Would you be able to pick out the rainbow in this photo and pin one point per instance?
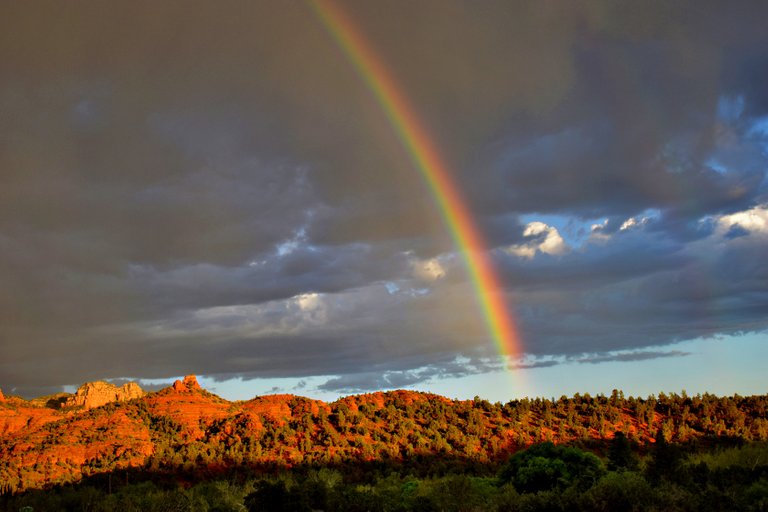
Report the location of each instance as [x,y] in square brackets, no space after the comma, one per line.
[426,158]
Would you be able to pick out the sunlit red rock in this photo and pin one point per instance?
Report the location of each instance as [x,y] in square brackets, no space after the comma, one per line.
[188,384]
[189,405]
[96,394]
[17,415]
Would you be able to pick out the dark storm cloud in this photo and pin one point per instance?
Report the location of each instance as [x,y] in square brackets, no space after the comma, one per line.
[178,181]
[146,386]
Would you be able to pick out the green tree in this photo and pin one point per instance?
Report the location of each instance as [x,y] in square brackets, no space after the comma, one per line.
[619,492]
[620,454]
[547,466]
[665,461]
[277,497]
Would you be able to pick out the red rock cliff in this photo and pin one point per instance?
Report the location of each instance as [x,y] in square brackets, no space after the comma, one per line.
[96,394]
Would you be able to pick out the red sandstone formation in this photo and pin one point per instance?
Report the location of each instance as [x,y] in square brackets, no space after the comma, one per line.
[190,405]
[96,394]
[188,384]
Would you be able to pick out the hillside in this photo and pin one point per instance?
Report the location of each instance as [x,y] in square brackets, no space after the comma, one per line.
[186,430]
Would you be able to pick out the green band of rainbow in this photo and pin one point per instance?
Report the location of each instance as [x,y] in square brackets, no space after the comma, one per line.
[428,161]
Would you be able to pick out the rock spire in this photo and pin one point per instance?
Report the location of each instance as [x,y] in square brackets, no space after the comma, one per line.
[188,384]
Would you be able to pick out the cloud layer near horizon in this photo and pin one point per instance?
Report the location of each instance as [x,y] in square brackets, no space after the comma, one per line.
[191,188]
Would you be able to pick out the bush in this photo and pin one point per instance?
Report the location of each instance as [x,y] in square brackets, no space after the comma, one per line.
[545,467]
[619,492]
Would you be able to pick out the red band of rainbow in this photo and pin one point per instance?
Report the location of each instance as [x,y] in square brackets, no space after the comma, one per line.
[428,161]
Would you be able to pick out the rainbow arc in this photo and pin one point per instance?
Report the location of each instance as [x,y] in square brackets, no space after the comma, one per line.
[427,159]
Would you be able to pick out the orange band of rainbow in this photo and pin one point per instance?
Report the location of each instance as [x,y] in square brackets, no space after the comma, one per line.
[427,160]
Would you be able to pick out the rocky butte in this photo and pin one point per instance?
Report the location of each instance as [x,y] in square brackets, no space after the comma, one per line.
[95,394]
[188,384]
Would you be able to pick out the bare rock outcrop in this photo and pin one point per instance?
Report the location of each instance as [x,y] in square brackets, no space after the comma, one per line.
[96,394]
[188,384]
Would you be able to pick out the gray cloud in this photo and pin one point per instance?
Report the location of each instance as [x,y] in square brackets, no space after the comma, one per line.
[604,357]
[356,383]
[536,364]
[632,356]
[174,183]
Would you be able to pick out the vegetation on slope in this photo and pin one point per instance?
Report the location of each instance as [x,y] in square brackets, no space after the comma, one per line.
[543,477]
[194,435]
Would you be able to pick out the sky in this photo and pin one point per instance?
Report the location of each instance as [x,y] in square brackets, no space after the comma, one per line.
[188,187]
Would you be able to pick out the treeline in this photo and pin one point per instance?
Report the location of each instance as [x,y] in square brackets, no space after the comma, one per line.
[412,430]
[543,477]
[408,426]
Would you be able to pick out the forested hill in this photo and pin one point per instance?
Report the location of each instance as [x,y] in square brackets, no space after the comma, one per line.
[185,430]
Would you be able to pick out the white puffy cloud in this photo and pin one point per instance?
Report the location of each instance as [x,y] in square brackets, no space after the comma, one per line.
[598,232]
[428,270]
[641,220]
[314,310]
[630,223]
[541,238]
[634,223]
[308,301]
[754,220]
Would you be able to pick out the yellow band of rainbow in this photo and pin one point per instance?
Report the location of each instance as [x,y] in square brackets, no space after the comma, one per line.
[428,161]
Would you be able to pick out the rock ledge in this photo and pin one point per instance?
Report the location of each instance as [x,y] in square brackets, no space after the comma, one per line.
[96,394]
